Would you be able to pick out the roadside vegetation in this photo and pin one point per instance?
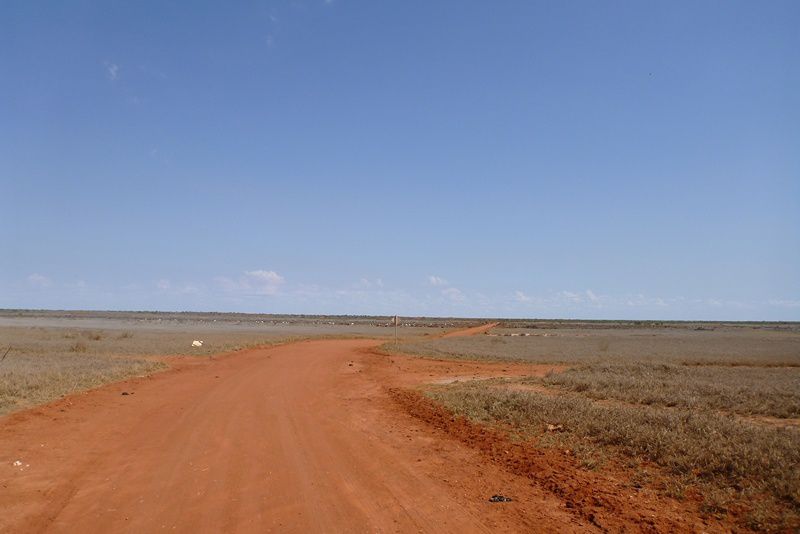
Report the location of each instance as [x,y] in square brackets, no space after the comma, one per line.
[755,346]
[29,379]
[768,391]
[55,353]
[740,467]
[44,364]
[713,408]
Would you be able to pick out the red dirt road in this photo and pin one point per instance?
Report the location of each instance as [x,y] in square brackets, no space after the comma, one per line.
[306,437]
[299,438]
[471,331]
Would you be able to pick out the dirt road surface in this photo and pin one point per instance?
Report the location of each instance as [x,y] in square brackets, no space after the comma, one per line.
[304,437]
[480,329]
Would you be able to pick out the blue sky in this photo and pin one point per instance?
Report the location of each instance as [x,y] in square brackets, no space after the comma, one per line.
[517,159]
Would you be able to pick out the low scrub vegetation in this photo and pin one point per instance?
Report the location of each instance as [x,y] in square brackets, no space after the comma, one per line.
[690,401]
[744,390]
[736,465]
[46,363]
[28,379]
[722,346]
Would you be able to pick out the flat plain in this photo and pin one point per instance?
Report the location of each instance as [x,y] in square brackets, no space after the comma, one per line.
[698,411]
[115,422]
[50,354]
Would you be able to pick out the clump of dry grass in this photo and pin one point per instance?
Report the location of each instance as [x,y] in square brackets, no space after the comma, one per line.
[94,336]
[717,453]
[79,346]
[744,390]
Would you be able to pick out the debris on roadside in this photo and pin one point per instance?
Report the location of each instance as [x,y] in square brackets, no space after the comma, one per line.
[555,428]
[22,467]
[500,498]
[197,343]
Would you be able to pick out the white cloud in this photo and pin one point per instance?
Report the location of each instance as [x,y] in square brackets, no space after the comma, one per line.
[519,296]
[785,303]
[367,283]
[453,294]
[257,282]
[39,280]
[265,277]
[112,71]
[591,296]
[437,281]
[163,284]
[569,296]
[190,289]
[263,282]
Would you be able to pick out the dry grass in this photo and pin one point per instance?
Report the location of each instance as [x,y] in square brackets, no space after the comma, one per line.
[48,363]
[734,464]
[58,352]
[650,393]
[744,390]
[721,346]
[27,379]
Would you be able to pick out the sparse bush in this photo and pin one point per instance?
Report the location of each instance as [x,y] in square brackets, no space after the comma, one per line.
[79,346]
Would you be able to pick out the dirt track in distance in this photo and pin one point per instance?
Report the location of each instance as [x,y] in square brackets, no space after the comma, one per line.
[475,330]
[303,437]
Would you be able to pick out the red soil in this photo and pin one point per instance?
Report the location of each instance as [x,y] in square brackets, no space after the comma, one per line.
[319,436]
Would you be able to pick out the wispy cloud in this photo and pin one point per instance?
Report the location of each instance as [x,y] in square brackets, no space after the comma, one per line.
[367,283]
[589,298]
[267,289]
[785,303]
[570,296]
[258,282]
[519,296]
[190,289]
[454,294]
[39,280]
[112,70]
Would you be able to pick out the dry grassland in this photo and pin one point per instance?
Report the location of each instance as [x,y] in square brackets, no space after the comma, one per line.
[668,402]
[55,353]
[47,363]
